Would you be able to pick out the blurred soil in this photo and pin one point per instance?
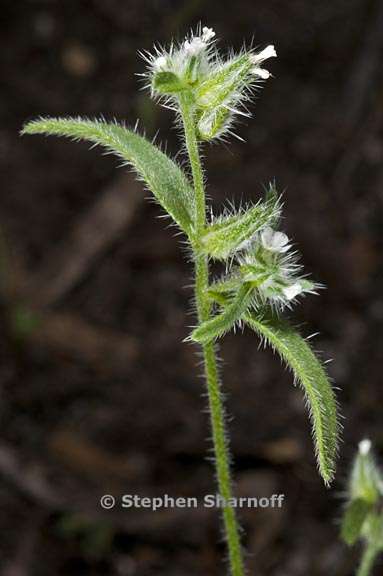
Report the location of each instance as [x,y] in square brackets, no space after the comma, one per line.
[98,393]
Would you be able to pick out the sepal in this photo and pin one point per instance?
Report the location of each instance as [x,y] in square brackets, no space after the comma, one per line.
[212,123]
[167,83]
[231,233]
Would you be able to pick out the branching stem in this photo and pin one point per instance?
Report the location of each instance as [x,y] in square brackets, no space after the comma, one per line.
[221,449]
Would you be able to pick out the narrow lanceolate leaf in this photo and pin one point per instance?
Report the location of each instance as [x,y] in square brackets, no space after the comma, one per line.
[217,326]
[310,374]
[353,520]
[161,175]
[232,233]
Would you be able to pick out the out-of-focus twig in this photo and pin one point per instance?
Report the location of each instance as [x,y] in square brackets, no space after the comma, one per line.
[28,480]
[92,235]
[91,460]
[69,334]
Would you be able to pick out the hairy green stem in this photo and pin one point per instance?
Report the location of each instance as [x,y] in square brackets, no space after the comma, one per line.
[221,450]
[369,555]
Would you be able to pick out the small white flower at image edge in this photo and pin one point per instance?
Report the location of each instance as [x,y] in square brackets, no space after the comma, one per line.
[290,292]
[207,34]
[268,52]
[274,241]
[194,46]
[257,59]
[365,446]
[160,64]
[197,44]
[261,72]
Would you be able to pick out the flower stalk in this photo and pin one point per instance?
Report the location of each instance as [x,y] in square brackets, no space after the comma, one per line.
[216,408]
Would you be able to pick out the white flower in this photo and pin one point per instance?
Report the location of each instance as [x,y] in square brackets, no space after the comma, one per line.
[160,63]
[198,44]
[290,292]
[268,52]
[274,241]
[207,34]
[261,72]
[194,46]
[257,59]
[364,447]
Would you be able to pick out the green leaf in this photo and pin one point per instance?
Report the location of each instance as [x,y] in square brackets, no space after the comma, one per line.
[353,520]
[162,176]
[229,234]
[309,372]
[217,326]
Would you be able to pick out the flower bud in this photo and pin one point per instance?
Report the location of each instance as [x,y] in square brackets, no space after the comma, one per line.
[224,84]
[211,124]
[292,291]
[366,481]
[218,88]
[274,241]
[273,270]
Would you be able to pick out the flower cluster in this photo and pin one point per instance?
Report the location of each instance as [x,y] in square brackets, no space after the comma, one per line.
[258,256]
[218,88]
[270,269]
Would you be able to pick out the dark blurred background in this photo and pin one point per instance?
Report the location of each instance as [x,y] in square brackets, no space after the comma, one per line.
[98,392]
